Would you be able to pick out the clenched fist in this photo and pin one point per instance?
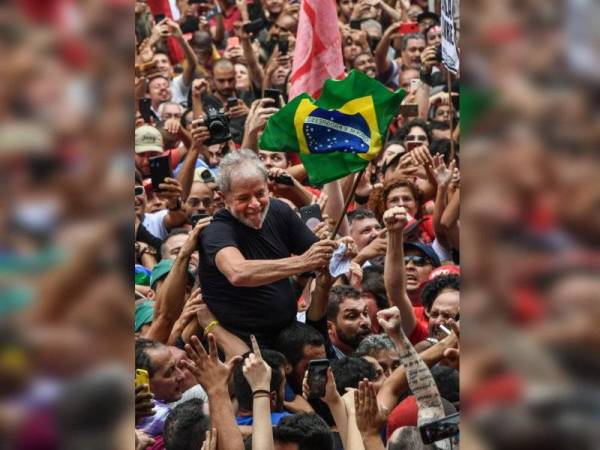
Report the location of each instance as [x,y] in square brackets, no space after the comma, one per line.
[395,219]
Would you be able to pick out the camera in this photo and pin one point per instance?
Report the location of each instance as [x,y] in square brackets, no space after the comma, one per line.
[218,127]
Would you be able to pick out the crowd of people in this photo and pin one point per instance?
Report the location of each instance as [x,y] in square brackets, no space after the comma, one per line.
[239,300]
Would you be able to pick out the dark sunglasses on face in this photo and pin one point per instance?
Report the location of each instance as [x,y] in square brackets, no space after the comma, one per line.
[412,137]
[417,260]
[139,190]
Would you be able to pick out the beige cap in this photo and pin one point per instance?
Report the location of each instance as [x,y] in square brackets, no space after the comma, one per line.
[148,139]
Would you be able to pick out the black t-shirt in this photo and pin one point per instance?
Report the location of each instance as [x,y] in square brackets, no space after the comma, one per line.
[262,310]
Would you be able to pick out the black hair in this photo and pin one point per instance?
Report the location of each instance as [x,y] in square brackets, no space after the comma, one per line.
[360,214]
[186,426]
[243,391]
[309,431]
[373,283]
[443,147]
[434,287]
[142,359]
[336,295]
[349,371]
[403,132]
[292,340]
[447,382]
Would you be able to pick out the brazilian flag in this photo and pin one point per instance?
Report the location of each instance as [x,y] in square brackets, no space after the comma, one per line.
[338,134]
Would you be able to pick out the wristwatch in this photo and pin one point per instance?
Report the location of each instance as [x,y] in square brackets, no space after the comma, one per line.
[177,206]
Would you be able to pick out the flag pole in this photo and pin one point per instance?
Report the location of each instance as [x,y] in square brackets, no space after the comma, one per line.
[450,113]
[347,203]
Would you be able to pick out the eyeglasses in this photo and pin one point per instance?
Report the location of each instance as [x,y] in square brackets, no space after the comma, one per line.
[206,202]
[139,190]
[417,260]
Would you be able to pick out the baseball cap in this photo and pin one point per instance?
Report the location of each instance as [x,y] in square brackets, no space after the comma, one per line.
[148,139]
[162,269]
[446,269]
[144,312]
[426,249]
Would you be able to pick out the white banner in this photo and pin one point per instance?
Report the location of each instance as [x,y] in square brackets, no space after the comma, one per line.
[449,44]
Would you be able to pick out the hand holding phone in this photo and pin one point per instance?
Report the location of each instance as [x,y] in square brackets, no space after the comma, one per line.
[160,168]
[311,215]
[317,378]
[142,378]
[275,95]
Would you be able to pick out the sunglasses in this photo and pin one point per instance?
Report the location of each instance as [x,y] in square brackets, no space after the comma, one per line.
[417,260]
[206,202]
[139,190]
[412,137]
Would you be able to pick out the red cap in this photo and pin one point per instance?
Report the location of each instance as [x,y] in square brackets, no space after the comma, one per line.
[448,269]
[403,415]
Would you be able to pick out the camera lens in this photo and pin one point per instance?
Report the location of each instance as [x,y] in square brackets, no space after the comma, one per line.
[217,127]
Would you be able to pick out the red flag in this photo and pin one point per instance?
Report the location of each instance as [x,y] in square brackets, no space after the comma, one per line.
[318,54]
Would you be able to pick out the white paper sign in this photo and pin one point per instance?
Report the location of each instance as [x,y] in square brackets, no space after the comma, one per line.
[449,45]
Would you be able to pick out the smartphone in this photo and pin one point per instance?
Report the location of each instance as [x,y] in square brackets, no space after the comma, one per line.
[274,94]
[440,429]
[355,24]
[317,378]
[408,28]
[438,53]
[283,179]
[160,168]
[233,41]
[253,27]
[145,107]
[232,102]
[141,378]
[158,18]
[311,215]
[409,110]
[196,217]
[414,84]
[283,45]
[190,25]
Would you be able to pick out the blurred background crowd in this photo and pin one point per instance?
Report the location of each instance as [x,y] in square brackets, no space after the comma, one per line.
[529,210]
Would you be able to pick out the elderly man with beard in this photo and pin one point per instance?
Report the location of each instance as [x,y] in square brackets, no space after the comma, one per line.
[251,249]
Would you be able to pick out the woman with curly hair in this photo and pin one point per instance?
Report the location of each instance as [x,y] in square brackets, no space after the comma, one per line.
[403,192]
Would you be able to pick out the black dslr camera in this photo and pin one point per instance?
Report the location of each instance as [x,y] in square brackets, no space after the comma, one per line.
[218,127]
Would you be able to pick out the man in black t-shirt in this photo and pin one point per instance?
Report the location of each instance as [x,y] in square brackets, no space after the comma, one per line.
[250,250]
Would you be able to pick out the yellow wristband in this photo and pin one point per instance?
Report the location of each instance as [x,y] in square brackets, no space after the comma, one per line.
[210,326]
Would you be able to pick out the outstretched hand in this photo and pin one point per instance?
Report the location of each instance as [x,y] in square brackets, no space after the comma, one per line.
[209,371]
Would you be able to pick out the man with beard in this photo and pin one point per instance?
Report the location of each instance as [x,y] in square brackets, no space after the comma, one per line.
[348,320]
[223,78]
[251,249]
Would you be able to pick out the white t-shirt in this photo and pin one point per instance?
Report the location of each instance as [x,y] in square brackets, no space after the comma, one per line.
[179,91]
[155,223]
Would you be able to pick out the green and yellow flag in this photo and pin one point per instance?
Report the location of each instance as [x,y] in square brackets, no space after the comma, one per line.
[338,134]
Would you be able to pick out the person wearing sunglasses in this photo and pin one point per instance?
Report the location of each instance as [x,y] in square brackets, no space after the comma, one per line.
[419,260]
